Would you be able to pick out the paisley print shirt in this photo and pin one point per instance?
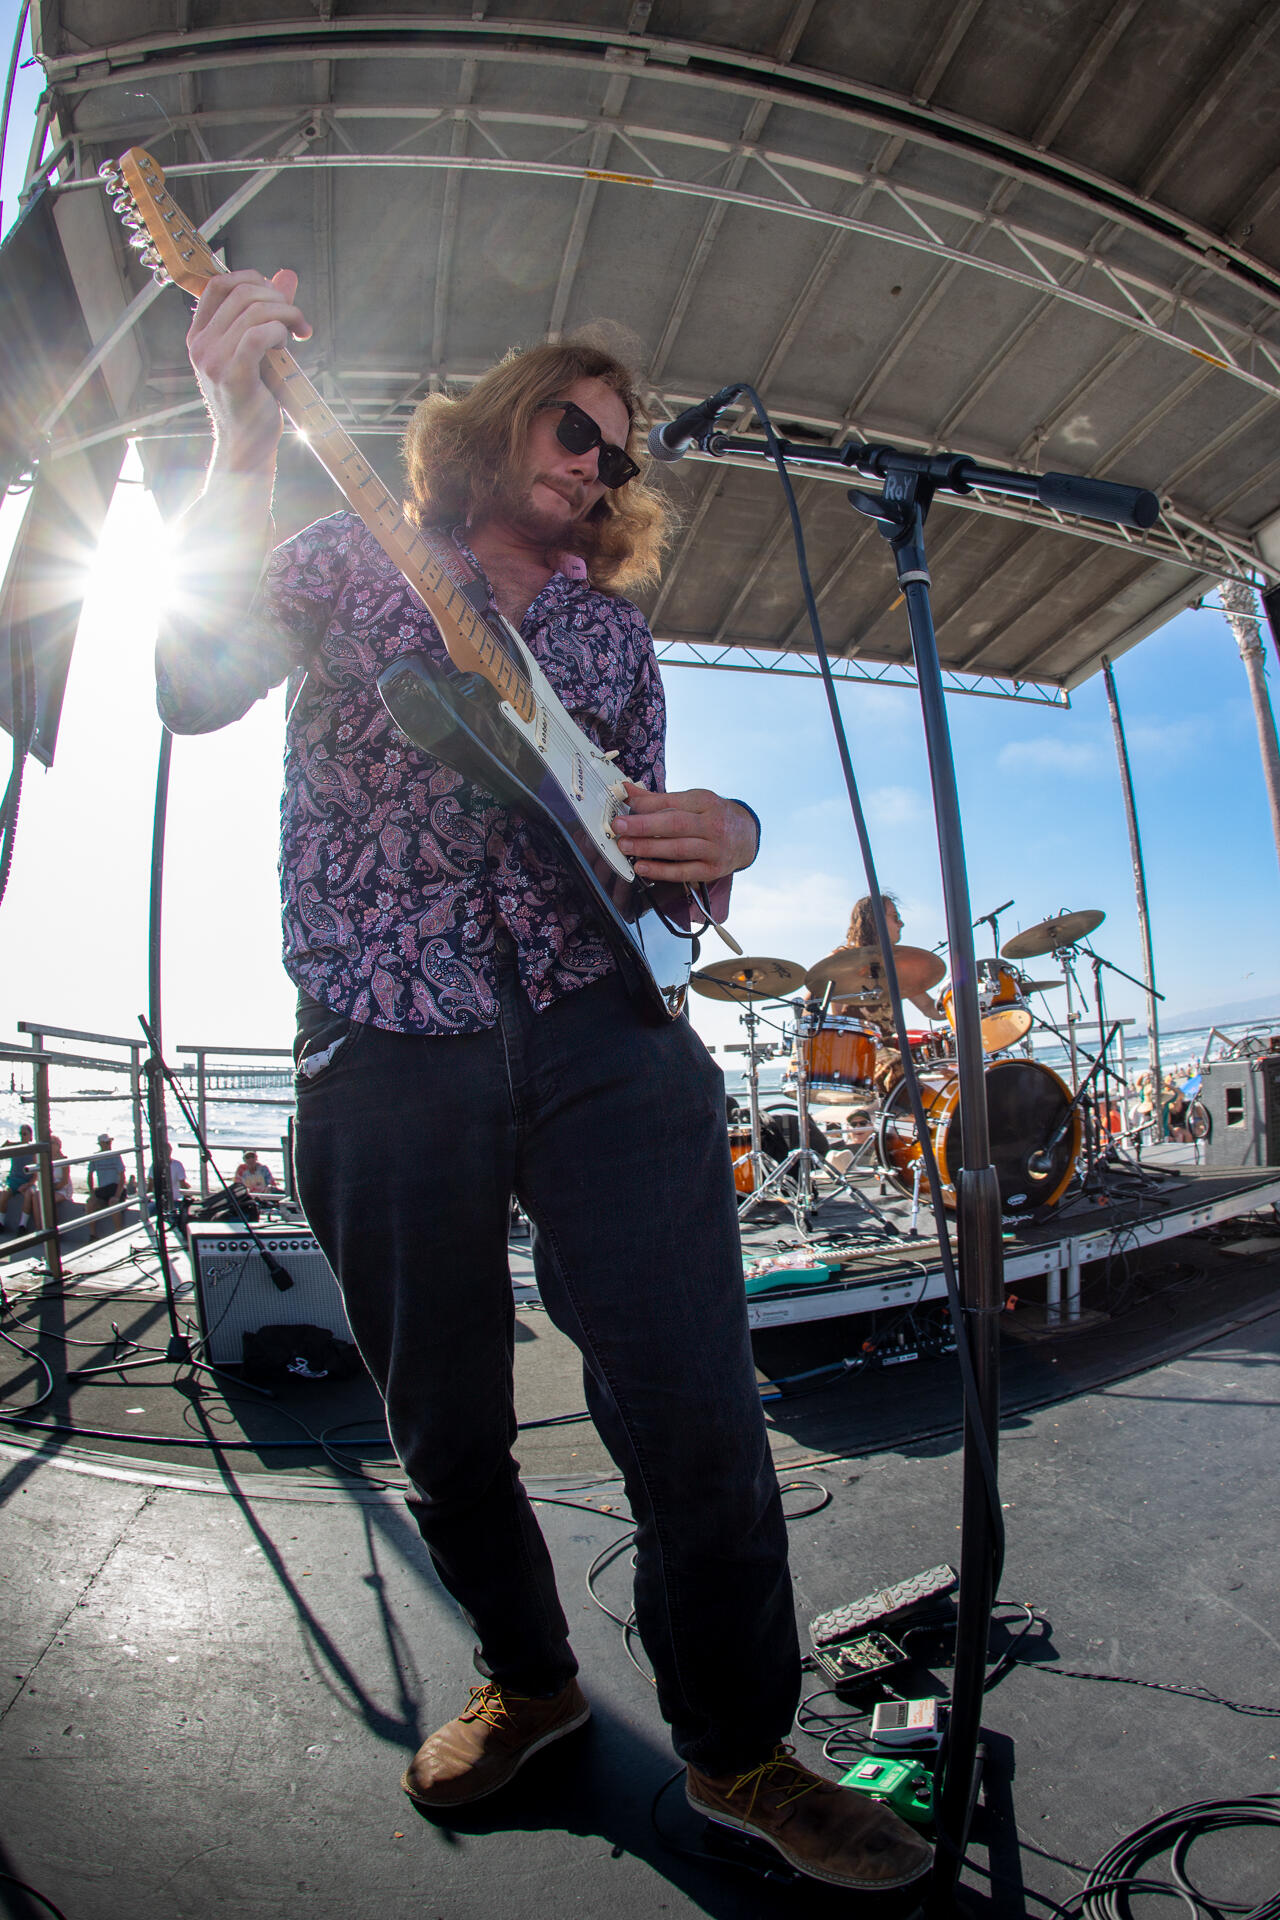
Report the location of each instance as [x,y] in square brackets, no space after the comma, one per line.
[397,875]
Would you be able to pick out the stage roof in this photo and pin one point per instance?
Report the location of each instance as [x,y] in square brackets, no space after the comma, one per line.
[1047,236]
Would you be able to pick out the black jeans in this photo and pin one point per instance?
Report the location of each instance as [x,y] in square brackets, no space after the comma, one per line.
[611,1132]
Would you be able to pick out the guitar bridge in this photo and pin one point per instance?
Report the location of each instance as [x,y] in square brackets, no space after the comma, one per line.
[578,777]
[542,730]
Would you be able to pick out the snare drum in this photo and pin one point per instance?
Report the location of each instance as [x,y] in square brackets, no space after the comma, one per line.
[1026,1104]
[927,1047]
[839,1058]
[1005,1015]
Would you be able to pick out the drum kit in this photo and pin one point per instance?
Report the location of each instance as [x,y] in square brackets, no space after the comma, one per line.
[838,1034]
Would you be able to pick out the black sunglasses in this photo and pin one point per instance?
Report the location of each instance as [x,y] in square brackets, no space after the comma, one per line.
[578,433]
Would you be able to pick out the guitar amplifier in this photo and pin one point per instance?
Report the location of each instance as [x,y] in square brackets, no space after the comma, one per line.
[235,1293]
[1242,1098]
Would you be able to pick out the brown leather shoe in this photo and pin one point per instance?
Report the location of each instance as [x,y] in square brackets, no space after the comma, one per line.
[826,1831]
[490,1740]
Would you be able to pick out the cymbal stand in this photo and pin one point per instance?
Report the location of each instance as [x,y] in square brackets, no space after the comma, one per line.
[1063,955]
[761,1164]
[792,1181]
[1097,962]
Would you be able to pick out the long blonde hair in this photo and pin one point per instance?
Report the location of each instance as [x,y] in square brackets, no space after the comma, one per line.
[459,455]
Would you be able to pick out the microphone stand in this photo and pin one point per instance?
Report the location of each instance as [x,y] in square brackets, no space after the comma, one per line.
[910,481]
[992,920]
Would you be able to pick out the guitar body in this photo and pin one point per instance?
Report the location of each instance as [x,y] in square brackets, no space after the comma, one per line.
[463,723]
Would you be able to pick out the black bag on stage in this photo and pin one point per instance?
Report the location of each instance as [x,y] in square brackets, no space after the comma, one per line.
[299,1353]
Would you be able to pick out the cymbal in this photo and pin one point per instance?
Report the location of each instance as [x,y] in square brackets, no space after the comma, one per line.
[1063,930]
[1040,986]
[861,969]
[748,979]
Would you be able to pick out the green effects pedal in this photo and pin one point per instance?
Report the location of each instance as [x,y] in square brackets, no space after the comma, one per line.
[903,1785]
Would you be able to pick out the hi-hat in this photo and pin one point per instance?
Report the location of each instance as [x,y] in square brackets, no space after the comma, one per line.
[1061,931]
[748,979]
[853,970]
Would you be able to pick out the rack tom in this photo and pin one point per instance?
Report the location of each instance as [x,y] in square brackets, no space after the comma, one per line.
[840,1058]
[1004,1014]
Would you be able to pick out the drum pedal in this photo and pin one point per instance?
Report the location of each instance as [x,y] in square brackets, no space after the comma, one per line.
[886,1607]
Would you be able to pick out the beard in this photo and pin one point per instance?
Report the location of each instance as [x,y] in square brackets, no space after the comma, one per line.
[556,528]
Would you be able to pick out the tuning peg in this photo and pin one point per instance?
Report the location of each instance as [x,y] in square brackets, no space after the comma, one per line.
[111,173]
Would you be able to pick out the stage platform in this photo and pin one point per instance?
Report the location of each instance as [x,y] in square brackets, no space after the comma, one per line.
[872,1270]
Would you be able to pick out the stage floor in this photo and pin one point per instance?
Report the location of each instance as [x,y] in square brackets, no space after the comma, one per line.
[222,1653]
[214,1678]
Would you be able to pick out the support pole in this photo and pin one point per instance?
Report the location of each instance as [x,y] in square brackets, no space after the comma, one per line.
[1140,890]
[1240,605]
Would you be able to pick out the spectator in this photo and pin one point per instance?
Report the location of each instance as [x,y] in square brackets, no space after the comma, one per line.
[21,1167]
[1176,1117]
[106,1180]
[63,1192]
[253,1175]
[176,1182]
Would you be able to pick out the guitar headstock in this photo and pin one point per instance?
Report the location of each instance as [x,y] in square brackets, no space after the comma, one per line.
[160,232]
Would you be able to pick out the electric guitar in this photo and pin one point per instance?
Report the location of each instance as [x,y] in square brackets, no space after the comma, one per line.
[498,722]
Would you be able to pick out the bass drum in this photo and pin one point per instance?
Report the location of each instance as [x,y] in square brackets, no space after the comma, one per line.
[1026,1104]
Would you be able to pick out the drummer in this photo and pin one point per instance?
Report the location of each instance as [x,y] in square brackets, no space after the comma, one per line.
[877,1011]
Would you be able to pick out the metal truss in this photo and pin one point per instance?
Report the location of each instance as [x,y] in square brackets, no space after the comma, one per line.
[967,230]
[964,233]
[741,658]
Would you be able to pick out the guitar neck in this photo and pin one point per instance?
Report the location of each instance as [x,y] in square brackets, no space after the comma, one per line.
[470,644]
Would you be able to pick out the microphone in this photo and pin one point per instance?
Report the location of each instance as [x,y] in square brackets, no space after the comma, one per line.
[1041,1162]
[673,439]
[983,918]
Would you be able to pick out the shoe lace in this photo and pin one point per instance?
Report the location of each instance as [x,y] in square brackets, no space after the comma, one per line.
[486,1703]
[771,1776]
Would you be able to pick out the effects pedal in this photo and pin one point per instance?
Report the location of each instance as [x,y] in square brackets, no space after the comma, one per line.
[860,1662]
[903,1785]
[885,1608]
[909,1726]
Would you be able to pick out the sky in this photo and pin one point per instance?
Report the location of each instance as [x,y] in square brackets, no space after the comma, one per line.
[1039,789]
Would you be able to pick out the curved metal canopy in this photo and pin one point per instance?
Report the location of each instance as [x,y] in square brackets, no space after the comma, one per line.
[1048,237]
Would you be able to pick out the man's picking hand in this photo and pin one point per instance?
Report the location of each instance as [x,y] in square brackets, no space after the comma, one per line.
[684,836]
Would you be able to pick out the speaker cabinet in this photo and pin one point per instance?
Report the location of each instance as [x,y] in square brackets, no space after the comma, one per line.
[235,1293]
[1242,1098]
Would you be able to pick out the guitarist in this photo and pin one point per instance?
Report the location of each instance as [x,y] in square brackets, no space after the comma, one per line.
[463,1034]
